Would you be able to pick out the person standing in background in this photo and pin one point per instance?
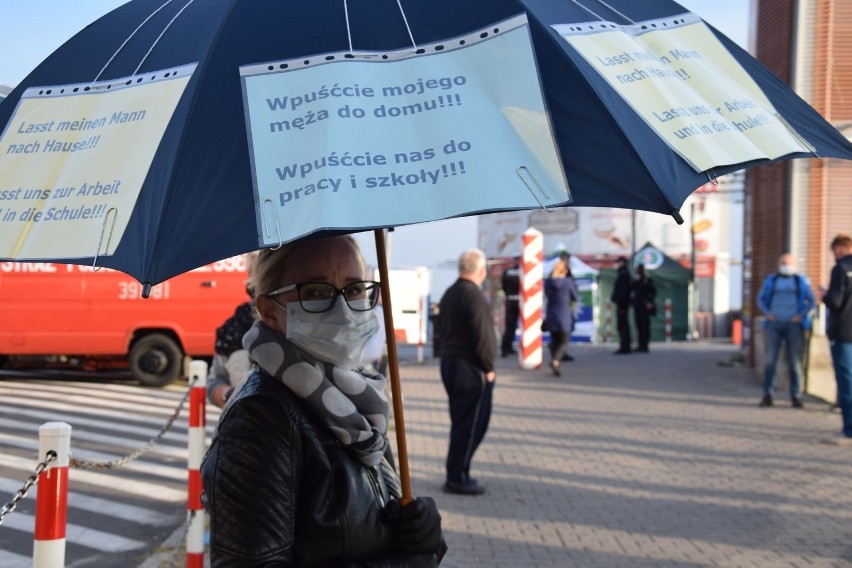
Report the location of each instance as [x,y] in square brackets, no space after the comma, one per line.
[566,256]
[838,300]
[561,292]
[468,350]
[511,283]
[644,308]
[621,298]
[231,363]
[786,299]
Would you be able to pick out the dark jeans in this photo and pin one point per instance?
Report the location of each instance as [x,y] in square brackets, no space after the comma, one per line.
[511,325]
[643,326]
[621,313]
[791,334]
[470,409]
[558,344]
[841,356]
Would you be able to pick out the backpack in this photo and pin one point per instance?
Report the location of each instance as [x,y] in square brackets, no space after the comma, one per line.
[807,320]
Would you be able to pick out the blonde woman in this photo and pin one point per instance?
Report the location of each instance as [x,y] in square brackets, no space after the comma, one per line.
[561,292]
[300,472]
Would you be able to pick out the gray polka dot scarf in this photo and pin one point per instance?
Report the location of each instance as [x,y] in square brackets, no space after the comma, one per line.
[351,404]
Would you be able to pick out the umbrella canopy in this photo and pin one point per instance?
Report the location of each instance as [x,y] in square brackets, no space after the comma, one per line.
[198,199]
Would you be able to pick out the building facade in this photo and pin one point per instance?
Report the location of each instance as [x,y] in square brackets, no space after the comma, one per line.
[798,206]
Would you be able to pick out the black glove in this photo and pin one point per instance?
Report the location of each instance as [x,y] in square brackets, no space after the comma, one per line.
[416,527]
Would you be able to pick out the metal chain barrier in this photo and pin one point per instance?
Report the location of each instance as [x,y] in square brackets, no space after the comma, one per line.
[121,462]
[180,549]
[22,492]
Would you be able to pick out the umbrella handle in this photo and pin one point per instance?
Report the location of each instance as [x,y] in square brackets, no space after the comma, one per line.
[393,368]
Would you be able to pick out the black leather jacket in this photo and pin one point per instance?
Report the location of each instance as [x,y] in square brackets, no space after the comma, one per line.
[281,490]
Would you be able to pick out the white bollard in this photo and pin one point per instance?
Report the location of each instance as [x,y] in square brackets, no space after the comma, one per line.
[52,500]
[197,436]
[608,323]
[532,299]
[668,320]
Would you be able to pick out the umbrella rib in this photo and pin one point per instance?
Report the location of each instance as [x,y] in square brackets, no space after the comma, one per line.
[598,16]
[348,30]
[616,11]
[139,27]
[589,10]
[407,27]
[162,33]
[401,11]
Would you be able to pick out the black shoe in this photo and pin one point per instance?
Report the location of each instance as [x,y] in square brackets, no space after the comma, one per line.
[507,353]
[567,357]
[642,350]
[469,488]
[765,401]
[622,352]
[797,403]
[554,366]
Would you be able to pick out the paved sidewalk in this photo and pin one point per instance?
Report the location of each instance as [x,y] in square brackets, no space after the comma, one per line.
[659,459]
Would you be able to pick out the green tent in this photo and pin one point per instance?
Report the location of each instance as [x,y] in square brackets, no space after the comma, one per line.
[671,280]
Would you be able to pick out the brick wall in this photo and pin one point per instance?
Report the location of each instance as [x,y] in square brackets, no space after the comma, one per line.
[825,191]
[768,186]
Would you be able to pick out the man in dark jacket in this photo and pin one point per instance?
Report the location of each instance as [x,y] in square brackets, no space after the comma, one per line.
[468,349]
[838,300]
[511,282]
[644,307]
[621,298]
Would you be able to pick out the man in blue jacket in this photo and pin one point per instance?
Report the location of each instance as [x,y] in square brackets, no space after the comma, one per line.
[786,299]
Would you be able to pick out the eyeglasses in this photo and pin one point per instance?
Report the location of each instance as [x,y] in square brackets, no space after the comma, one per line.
[317,297]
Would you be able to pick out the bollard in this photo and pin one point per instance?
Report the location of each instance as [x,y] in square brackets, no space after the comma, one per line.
[52,498]
[197,435]
[608,323]
[668,320]
[737,332]
[532,274]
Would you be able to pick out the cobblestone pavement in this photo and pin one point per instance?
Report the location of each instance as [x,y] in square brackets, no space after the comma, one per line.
[659,459]
[643,460]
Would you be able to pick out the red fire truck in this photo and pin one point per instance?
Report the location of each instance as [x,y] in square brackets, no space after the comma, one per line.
[77,317]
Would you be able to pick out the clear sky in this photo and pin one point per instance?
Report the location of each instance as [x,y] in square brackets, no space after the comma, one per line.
[31,29]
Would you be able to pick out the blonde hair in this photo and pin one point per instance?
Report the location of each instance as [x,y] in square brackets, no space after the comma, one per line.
[250,259]
[271,264]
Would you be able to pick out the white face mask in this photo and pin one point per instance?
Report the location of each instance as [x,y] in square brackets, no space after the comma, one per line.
[337,336]
[785,270]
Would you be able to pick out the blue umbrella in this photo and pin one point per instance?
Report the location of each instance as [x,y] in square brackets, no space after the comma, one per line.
[197,203]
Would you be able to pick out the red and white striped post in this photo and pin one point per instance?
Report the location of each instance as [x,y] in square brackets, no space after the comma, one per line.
[608,323]
[52,500]
[668,320]
[197,437]
[532,274]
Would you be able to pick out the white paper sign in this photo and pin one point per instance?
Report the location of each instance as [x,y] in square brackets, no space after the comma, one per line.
[688,88]
[73,159]
[401,137]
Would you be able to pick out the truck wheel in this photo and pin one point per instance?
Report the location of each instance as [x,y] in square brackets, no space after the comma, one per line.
[156,360]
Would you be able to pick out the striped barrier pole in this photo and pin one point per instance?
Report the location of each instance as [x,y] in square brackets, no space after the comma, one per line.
[668,320]
[532,274]
[52,499]
[608,324]
[197,436]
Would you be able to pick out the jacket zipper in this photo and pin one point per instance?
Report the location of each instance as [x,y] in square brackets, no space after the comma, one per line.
[374,482]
